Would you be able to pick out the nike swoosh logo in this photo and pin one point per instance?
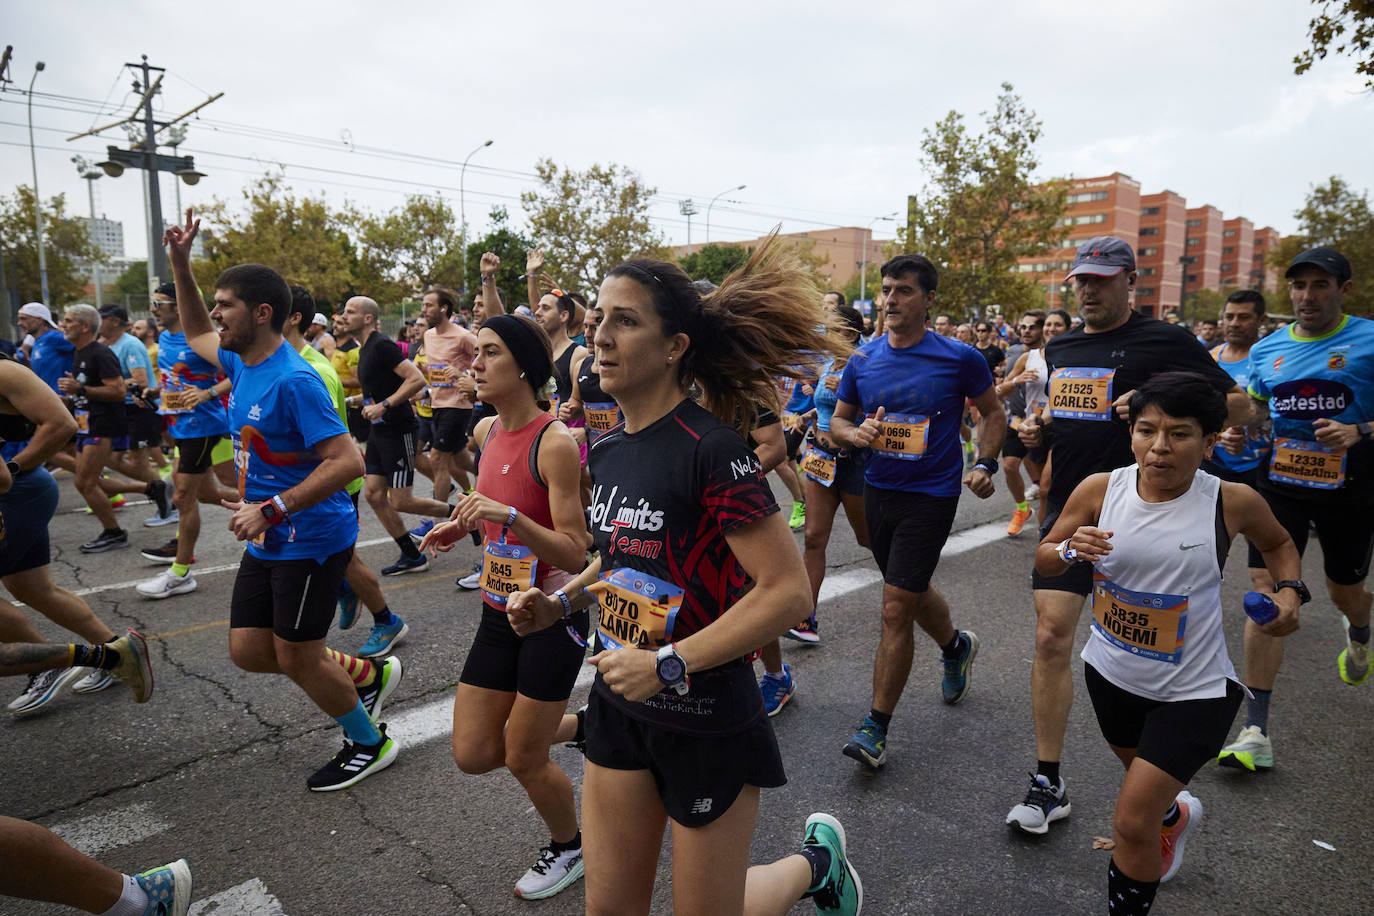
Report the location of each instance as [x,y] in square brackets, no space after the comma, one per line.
[1190,546]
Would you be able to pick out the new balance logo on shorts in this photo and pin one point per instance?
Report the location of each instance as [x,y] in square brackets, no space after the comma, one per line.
[701,806]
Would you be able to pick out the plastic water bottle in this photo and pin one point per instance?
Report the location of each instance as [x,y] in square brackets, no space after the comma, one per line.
[1260,607]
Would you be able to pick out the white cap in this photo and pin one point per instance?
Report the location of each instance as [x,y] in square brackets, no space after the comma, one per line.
[320,320]
[37,310]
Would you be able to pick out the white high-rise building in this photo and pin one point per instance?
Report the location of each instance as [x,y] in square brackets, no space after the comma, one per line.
[107,235]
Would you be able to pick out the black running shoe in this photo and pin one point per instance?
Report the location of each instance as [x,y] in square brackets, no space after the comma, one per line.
[353,764]
[108,540]
[161,495]
[167,553]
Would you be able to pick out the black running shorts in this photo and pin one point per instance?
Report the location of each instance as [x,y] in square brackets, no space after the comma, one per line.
[391,455]
[145,426]
[296,598]
[451,428]
[542,666]
[698,778]
[907,531]
[196,454]
[1177,737]
[1344,529]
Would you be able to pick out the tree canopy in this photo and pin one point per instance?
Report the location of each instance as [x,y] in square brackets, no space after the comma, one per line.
[65,242]
[1343,26]
[1334,214]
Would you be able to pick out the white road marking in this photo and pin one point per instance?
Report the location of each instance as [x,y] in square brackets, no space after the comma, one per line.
[119,827]
[251,898]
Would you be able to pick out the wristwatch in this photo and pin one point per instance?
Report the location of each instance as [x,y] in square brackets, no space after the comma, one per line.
[1364,429]
[987,464]
[273,515]
[14,468]
[1296,585]
[672,670]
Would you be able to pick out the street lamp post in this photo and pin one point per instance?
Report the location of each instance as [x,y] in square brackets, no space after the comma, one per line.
[37,201]
[712,204]
[1183,263]
[462,206]
[863,269]
[88,171]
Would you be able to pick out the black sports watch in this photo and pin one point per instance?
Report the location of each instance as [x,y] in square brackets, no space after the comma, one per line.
[1296,585]
[14,468]
[672,670]
[987,464]
[1364,429]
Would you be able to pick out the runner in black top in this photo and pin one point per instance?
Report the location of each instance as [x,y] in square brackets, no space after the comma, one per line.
[598,409]
[681,515]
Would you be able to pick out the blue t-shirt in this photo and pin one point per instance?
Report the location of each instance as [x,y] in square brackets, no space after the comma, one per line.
[800,402]
[1306,379]
[278,410]
[180,367]
[50,357]
[923,387]
[824,398]
[1249,457]
[131,353]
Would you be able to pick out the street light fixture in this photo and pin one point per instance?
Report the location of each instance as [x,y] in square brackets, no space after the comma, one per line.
[863,270]
[86,170]
[462,206]
[37,201]
[1183,264]
[712,204]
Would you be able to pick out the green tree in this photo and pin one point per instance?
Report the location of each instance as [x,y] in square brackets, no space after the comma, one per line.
[132,285]
[712,262]
[1348,25]
[981,211]
[411,248]
[301,238]
[65,242]
[508,245]
[1335,215]
[590,222]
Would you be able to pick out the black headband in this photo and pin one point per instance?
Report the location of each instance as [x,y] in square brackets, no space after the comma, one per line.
[522,340]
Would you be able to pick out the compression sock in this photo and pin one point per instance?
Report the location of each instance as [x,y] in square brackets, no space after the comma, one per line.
[951,649]
[1257,709]
[102,657]
[1172,815]
[574,843]
[358,728]
[1358,634]
[181,569]
[882,718]
[359,670]
[1126,896]
[133,900]
[1023,506]
[818,857]
[1048,769]
[408,547]
[384,617]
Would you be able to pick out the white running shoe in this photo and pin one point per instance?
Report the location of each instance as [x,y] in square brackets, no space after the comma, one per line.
[157,521]
[1251,751]
[166,584]
[1044,805]
[552,873]
[43,688]
[95,681]
[471,581]
[1033,491]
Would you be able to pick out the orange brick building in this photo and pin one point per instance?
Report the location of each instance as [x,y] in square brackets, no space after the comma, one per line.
[844,250]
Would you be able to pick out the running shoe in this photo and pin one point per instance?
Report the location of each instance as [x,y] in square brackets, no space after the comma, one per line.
[42,689]
[160,492]
[1173,839]
[348,608]
[96,680]
[167,553]
[383,638]
[389,674]
[777,690]
[841,892]
[405,564]
[168,889]
[798,519]
[1354,663]
[1251,751]
[107,540]
[1033,491]
[1044,805]
[553,872]
[472,580]
[166,584]
[807,632]
[955,685]
[1018,521]
[869,744]
[353,764]
[118,500]
[158,521]
[417,534]
[135,666]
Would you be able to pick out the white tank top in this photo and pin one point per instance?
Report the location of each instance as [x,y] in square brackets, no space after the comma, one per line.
[1156,599]
[1035,391]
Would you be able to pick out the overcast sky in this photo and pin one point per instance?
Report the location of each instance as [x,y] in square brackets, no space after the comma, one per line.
[817,108]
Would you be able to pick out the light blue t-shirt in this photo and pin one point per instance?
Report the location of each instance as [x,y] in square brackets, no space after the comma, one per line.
[824,398]
[926,383]
[131,353]
[278,410]
[180,367]
[1250,455]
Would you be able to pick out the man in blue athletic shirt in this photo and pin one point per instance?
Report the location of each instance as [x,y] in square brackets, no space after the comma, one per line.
[294,459]
[902,396]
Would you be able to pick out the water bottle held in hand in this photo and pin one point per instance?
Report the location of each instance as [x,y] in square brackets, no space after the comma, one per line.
[1260,607]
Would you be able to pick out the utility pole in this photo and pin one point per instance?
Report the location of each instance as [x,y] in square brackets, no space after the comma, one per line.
[688,208]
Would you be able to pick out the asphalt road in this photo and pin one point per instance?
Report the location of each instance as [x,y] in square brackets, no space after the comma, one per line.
[214,767]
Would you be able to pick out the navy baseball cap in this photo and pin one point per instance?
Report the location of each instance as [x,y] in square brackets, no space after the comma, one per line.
[1103,256]
[1328,259]
[115,311]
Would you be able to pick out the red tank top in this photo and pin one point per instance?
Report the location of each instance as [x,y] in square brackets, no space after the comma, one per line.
[506,474]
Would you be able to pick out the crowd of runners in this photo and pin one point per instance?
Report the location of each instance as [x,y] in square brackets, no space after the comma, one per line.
[607,456]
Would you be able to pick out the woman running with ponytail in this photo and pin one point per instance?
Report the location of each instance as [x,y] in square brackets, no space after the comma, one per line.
[675,728]
[514,689]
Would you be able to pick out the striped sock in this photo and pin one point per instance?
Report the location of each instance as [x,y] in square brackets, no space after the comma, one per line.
[361,671]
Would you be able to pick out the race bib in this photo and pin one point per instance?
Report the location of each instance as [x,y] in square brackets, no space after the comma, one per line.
[1081,394]
[440,375]
[175,397]
[819,466]
[83,422]
[1307,464]
[601,417]
[635,609]
[902,436]
[506,569]
[1140,623]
